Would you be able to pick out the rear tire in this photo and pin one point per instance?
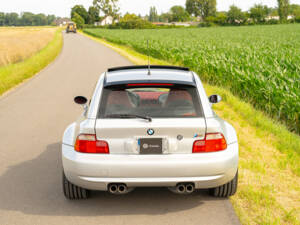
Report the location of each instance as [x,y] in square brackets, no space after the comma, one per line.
[226,190]
[72,191]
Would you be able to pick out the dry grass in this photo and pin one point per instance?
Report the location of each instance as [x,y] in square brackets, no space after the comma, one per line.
[19,43]
[13,74]
[269,190]
[269,168]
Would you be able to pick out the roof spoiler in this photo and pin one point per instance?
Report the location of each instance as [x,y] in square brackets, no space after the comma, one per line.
[146,67]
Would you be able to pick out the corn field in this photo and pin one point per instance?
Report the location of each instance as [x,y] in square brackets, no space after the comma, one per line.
[260,64]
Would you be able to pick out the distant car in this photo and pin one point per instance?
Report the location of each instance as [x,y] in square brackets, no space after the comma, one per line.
[149,128]
[71,27]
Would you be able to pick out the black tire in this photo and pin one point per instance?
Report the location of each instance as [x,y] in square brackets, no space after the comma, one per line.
[72,191]
[226,190]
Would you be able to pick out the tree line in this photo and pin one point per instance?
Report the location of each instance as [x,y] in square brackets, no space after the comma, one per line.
[26,19]
[203,11]
[206,12]
[194,10]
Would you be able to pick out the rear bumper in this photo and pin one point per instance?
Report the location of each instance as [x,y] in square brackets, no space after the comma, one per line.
[95,172]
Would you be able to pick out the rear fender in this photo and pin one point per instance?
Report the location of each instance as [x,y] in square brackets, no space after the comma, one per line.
[216,124]
[69,134]
[81,126]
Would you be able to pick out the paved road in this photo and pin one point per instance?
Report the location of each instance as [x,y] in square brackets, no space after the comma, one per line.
[33,118]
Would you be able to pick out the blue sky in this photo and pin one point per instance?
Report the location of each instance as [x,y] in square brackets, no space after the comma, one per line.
[62,7]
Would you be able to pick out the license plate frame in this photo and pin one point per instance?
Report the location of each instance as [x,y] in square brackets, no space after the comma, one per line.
[150,146]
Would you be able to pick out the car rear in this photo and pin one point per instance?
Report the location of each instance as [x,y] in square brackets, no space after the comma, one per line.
[151,132]
[71,27]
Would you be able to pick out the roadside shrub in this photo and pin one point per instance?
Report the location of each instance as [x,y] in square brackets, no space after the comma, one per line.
[272,21]
[206,24]
[250,23]
[91,26]
[131,21]
[133,24]
[211,19]
[221,19]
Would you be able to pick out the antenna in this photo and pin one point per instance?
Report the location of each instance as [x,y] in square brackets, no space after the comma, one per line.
[149,71]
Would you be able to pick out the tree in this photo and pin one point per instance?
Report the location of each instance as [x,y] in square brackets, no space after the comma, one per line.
[153,16]
[294,10]
[50,19]
[2,19]
[273,11]
[165,17]
[40,20]
[179,14]
[27,19]
[283,9]
[132,21]
[108,7]
[202,8]
[128,17]
[81,11]
[78,20]
[93,14]
[235,15]
[259,13]
[11,19]
[221,18]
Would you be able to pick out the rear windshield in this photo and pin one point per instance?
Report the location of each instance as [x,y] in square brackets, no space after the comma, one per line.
[156,102]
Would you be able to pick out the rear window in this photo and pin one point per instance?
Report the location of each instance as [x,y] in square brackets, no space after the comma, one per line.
[171,101]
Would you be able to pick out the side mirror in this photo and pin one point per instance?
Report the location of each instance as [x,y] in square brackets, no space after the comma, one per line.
[214,99]
[80,100]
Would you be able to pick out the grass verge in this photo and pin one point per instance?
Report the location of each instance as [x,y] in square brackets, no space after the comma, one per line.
[269,168]
[13,74]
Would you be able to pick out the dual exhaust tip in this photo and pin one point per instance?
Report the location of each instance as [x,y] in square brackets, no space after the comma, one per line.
[183,188]
[117,188]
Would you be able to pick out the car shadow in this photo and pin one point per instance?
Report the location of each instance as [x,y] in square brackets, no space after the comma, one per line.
[34,187]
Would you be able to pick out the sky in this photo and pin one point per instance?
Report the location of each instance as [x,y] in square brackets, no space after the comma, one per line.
[62,7]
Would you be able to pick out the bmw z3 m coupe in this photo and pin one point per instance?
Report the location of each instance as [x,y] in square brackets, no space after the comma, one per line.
[149,127]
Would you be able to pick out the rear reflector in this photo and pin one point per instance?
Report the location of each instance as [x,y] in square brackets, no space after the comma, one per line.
[212,143]
[88,143]
[149,84]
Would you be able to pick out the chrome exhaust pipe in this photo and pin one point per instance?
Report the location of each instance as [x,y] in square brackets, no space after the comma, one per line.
[190,188]
[113,188]
[122,189]
[180,188]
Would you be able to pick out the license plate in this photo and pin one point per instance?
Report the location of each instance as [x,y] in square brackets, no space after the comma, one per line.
[150,146]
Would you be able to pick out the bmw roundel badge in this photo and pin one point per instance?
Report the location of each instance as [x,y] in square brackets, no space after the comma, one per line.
[150,131]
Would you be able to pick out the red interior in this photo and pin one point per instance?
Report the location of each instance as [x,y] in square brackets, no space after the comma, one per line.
[119,98]
[148,98]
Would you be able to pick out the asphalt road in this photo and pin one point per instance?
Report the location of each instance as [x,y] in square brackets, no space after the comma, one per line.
[32,120]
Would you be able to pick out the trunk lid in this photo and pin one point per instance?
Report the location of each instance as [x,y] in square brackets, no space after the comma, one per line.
[124,135]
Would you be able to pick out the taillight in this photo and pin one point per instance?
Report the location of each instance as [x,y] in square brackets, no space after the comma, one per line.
[212,143]
[88,143]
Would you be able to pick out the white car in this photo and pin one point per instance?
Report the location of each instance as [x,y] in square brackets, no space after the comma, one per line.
[149,127]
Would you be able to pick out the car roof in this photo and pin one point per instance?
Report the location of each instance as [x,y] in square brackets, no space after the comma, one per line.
[158,74]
